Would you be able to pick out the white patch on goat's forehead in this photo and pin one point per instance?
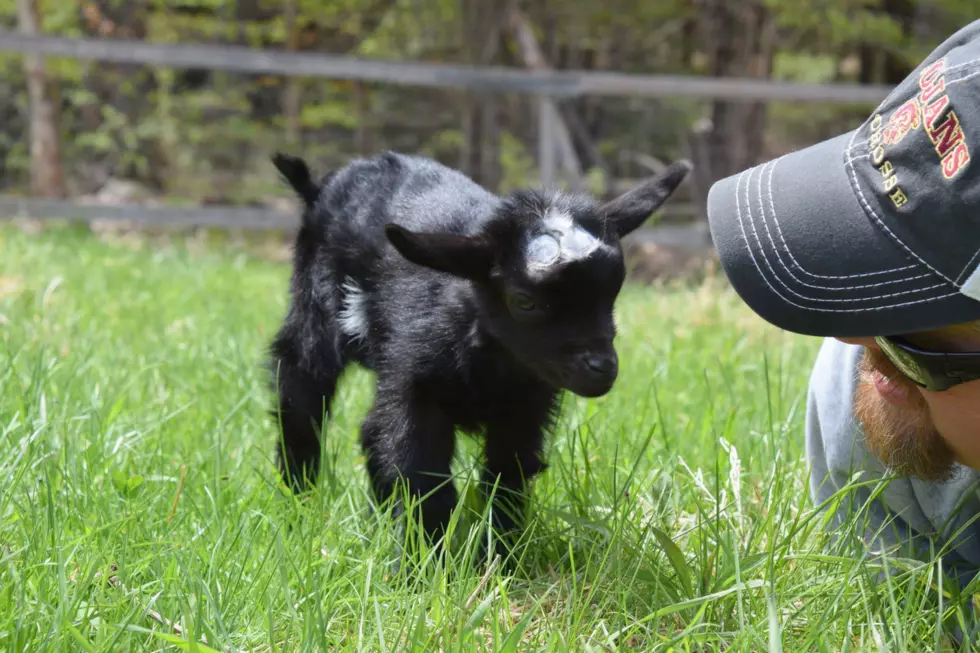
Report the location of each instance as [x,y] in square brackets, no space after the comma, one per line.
[564,241]
[543,250]
[353,312]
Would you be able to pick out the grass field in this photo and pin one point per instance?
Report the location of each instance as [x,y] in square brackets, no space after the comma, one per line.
[137,488]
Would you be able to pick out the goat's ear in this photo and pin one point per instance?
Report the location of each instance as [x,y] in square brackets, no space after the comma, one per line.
[462,256]
[632,208]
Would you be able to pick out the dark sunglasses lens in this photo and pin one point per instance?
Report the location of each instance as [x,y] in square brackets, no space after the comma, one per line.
[907,363]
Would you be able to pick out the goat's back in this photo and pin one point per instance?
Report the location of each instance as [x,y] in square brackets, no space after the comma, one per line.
[412,191]
[359,275]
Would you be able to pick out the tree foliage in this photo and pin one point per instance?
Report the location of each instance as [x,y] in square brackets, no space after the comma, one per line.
[206,135]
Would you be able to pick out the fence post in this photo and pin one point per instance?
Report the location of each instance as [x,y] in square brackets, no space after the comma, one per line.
[547,148]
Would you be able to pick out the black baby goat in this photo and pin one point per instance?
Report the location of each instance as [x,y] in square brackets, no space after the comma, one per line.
[473,310]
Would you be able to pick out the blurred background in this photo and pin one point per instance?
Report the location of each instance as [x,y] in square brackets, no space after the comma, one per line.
[178,127]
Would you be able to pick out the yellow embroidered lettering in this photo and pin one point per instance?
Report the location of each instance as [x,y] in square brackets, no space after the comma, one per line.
[878,155]
[899,198]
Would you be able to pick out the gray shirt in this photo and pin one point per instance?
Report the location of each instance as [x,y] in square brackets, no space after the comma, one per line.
[909,516]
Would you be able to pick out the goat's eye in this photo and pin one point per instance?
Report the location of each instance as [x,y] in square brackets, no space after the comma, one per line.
[522,302]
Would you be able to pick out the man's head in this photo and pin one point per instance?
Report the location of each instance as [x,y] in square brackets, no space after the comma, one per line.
[546,271]
[876,233]
[916,431]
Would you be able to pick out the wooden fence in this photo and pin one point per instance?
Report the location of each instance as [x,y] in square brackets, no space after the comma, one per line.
[547,85]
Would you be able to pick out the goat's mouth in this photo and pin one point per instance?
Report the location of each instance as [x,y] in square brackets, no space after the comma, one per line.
[589,387]
[581,378]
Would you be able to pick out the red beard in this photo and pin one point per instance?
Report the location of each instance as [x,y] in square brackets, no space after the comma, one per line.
[902,437]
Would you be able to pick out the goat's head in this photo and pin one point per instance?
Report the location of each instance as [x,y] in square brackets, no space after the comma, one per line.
[547,271]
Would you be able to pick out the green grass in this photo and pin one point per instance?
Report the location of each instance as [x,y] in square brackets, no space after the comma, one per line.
[137,485]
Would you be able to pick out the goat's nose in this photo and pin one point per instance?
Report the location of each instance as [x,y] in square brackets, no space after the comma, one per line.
[604,363]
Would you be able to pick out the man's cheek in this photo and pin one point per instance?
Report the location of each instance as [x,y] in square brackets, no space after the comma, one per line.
[956,416]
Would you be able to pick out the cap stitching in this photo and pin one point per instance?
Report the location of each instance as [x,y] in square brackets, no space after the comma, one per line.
[748,207]
[847,276]
[972,63]
[859,157]
[848,164]
[966,268]
[779,230]
[866,309]
[950,82]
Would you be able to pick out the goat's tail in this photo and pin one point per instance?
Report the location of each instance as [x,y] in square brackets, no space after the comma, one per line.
[295,171]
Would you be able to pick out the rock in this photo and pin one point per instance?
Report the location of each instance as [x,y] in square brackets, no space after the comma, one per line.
[680,251]
[116,192]
[648,262]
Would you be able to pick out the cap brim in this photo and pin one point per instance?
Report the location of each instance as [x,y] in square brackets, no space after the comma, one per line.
[800,249]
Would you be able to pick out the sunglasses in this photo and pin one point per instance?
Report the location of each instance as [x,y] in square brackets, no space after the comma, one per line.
[932,370]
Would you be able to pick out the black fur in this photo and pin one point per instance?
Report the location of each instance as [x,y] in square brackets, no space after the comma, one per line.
[459,334]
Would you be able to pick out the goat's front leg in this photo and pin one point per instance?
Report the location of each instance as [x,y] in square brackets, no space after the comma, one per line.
[513,457]
[409,438]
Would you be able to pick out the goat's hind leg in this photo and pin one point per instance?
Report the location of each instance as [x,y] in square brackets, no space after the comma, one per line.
[305,380]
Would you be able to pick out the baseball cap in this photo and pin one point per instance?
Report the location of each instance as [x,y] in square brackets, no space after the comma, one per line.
[874,232]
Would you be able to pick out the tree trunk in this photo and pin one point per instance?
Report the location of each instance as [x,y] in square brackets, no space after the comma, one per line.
[896,67]
[534,59]
[47,178]
[480,151]
[740,38]
[290,97]
[879,66]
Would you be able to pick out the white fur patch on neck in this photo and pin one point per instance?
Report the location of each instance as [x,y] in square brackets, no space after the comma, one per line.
[565,241]
[353,313]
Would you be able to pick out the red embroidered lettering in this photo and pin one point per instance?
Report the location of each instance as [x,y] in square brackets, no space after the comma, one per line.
[956,161]
[927,77]
[905,119]
[932,111]
[929,93]
[947,135]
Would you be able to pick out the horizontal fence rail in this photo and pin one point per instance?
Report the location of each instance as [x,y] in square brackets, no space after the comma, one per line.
[224,217]
[689,236]
[229,217]
[556,83]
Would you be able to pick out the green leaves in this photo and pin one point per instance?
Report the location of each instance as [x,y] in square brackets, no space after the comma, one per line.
[677,560]
[126,486]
